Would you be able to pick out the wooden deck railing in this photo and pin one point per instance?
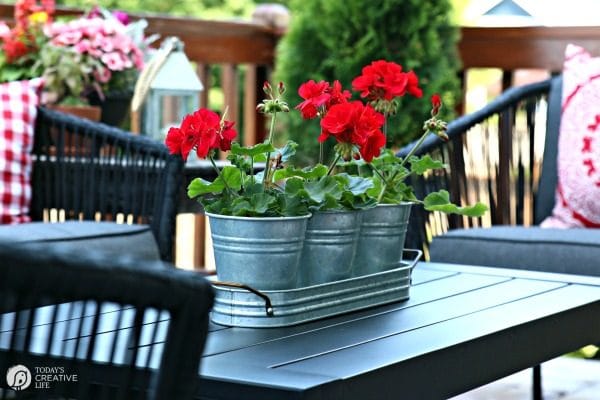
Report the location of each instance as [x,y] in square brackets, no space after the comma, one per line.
[247,50]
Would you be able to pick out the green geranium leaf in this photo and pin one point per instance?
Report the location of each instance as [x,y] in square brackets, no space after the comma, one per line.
[357,185]
[256,204]
[230,177]
[241,162]
[294,186]
[199,186]
[292,206]
[440,201]
[253,188]
[423,164]
[287,151]
[314,173]
[252,151]
[327,185]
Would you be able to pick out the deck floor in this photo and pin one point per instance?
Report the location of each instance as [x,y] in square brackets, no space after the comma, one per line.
[564,378]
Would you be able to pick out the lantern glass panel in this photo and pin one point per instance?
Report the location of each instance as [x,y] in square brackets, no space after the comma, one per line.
[167,109]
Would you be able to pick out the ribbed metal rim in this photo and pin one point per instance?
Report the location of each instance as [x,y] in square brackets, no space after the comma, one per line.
[258,218]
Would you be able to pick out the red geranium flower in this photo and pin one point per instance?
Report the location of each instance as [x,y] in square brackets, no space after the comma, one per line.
[412,84]
[315,95]
[357,124]
[338,95]
[381,80]
[14,49]
[384,80]
[375,140]
[202,130]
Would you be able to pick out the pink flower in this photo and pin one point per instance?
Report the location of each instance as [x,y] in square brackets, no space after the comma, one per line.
[67,38]
[121,16]
[4,29]
[83,46]
[102,74]
[106,44]
[113,61]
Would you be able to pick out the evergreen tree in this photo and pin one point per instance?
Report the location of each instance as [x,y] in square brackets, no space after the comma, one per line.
[334,39]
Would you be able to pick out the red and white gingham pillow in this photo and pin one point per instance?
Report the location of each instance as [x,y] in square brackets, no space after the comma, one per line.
[18,102]
[578,192]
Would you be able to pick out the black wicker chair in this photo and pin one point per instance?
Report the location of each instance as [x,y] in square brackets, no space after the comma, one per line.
[504,155]
[122,332]
[85,170]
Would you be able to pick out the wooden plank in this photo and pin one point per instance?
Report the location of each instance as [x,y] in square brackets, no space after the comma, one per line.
[203,71]
[249,105]
[537,47]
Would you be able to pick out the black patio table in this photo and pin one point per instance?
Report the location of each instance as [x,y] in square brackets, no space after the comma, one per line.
[462,327]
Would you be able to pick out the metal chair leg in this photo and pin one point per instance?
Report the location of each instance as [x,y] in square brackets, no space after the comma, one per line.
[537,383]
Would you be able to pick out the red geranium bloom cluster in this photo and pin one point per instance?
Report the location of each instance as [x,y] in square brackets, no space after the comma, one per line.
[384,80]
[357,124]
[20,40]
[204,131]
[319,97]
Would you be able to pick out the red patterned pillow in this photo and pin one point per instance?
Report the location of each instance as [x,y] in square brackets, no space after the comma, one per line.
[18,102]
[578,191]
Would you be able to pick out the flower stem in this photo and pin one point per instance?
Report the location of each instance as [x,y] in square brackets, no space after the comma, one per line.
[415,148]
[268,166]
[334,163]
[385,127]
[321,153]
[212,161]
[383,179]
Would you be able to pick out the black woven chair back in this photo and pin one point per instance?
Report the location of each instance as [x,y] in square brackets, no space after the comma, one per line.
[85,170]
[503,155]
[89,327]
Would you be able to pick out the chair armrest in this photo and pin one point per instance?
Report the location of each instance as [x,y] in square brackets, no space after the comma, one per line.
[86,169]
[35,275]
[493,155]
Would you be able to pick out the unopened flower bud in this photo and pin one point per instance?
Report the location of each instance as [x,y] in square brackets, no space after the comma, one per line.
[436,103]
[267,88]
[281,88]
[260,107]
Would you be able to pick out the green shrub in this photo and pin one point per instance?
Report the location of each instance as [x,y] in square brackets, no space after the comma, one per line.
[334,39]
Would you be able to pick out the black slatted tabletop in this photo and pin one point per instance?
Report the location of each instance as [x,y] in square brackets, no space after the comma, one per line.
[461,327]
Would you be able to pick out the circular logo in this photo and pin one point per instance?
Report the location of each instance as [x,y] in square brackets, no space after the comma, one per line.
[18,377]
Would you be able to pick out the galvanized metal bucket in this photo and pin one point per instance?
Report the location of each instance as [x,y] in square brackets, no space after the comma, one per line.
[329,247]
[381,239]
[261,252]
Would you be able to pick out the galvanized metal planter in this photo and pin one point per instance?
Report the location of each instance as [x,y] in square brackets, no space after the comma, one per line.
[381,238]
[272,308]
[329,247]
[262,252]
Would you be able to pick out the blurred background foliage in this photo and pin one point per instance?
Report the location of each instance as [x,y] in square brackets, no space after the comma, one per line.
[330,40]
[334,39]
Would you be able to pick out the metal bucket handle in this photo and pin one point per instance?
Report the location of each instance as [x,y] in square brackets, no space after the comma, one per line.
[268,305]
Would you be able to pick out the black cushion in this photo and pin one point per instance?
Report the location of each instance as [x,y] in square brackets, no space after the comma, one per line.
[573,251]
[135,241]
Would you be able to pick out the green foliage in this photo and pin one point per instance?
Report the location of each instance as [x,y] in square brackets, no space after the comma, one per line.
[334,39]
[440,201]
